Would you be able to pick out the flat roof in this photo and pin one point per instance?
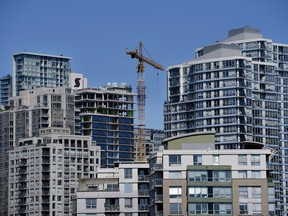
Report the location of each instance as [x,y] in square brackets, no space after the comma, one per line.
[189,135]
[38,54]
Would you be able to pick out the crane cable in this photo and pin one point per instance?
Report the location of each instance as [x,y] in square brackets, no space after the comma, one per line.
[156,70]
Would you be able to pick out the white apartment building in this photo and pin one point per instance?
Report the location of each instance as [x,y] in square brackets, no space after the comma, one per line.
[33,70]
[43,171]
[237,88]
[123,191]
[24,116]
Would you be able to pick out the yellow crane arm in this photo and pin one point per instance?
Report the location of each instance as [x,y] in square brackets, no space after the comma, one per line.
[134,54]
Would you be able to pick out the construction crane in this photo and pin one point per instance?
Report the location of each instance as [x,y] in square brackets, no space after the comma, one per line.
[141,154]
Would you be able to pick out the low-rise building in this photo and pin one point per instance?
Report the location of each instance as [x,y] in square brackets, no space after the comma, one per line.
[123,190]
[193,178]
[189,177]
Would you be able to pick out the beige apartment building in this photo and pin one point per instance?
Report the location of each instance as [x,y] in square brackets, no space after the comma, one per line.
[193,178]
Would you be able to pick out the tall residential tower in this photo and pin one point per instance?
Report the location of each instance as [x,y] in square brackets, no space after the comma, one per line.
[5,89]
[237,88]
[24,116]
[31,70]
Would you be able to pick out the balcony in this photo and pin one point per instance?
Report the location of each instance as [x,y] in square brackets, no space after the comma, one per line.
[22,209]
[22,194]
[46,153]
[45,207]
[143,178]
[46,161]
[158,167]
[143,192]
[22,179]
[158,198]
[158,182]
[23,163]
[46,169]
[46,177]
[22,186]
[143,207]
[22,202]
[22,171]
[45,200]
[45,185]
[112,207]
[45,192]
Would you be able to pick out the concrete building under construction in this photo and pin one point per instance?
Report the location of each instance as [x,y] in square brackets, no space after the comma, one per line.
[107,114]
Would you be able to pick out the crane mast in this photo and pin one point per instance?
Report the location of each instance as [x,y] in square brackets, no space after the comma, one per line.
[141,154]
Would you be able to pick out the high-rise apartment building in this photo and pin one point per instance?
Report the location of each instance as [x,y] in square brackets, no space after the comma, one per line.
[43,171]
[107,114]
[237,88]
[24,116]
[5,89]
[191,177]
[32,70]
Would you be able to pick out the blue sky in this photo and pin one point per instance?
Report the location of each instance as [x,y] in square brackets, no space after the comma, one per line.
[96,33]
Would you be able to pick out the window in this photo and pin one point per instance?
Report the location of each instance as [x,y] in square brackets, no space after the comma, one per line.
[221,192]
[255,174]
[127,173]
[222,176]
[256,208]
[256,192]
[91,203]
[198,208]
[198,192]
[243,192]
[215,159]
[128,188]
[271,208]
[176,208]
[242,174]
[222,208]
[242,160]
[174,160]
[175,199]
[198,176]
[271,194]
[243,208]
[197,159]
[255,160]
[175,192]
[128,203]
[174,174]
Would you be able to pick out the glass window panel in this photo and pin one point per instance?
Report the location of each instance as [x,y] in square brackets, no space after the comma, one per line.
[243,192]
[128,188]
[242,159]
